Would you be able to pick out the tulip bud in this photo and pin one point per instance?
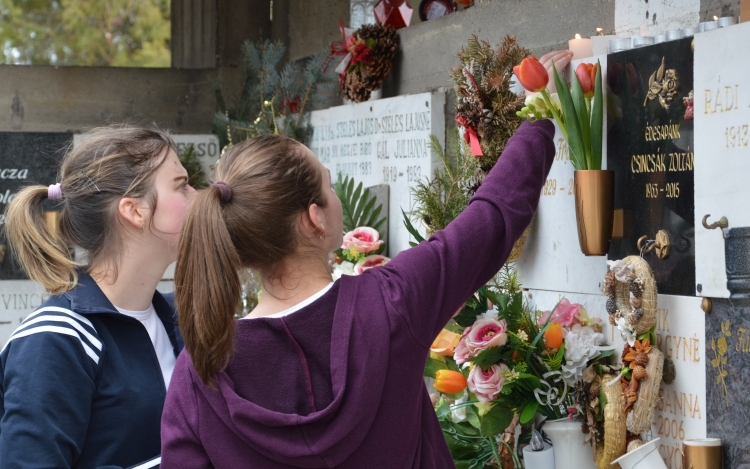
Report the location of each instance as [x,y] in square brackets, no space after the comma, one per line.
[586,74]
[532,74]
[553,336]
[449,382]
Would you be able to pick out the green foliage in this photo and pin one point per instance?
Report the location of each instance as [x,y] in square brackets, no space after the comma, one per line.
[442,198]
[274,99]
[119,33]
[497,420]
[358,205]
[433,366]
[191,163]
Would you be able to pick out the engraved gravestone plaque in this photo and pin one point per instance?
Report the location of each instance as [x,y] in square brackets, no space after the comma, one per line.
[650,148]
[26,158]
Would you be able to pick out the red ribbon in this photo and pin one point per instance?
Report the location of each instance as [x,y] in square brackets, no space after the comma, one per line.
[338,48]
[470,135]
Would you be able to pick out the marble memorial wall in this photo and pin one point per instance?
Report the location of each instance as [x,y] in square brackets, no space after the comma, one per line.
[385,141]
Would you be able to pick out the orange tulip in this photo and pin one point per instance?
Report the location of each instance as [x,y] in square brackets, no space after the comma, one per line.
[449,382]
[553,336]
[532,74]
[586,74]
[444,343]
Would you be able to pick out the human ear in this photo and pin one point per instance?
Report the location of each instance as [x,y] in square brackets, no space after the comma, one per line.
[317,218]
[132,211]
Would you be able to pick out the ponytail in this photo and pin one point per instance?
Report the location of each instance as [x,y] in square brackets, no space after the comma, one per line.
[207,285]
[40,250]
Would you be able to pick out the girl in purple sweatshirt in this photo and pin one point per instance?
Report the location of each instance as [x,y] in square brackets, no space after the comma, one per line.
[323,374]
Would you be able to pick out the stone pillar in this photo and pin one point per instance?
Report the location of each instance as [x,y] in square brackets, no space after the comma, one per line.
[193,33]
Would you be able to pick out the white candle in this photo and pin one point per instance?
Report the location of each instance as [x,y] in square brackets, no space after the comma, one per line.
[581,48]
[600,44]
[544,459]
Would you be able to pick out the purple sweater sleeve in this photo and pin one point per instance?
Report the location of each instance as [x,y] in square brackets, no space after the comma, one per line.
[428,283]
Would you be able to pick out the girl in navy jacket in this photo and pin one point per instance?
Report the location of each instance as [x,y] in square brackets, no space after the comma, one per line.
[84,377]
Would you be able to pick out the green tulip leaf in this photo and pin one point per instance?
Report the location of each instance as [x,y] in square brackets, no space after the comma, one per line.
[528,412]
[496,420]
[597,118]
[575,145]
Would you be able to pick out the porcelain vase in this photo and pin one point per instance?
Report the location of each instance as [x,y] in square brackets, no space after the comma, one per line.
[568,443]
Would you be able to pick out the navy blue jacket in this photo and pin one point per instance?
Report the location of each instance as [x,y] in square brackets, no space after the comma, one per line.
[80,384]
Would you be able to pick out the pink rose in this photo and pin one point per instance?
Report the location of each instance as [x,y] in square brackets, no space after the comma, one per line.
[363,239]
[461,353]
[486,385]
[566,313]
[486,332]
[369,262]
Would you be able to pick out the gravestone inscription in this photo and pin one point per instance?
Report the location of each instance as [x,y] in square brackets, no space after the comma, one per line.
[650,148]
[26,158]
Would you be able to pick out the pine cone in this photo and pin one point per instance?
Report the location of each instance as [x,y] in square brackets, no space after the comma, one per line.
[641,359]
[637,314]
[636,289]
[611,306]
[669,373]
[354,88]
[639,373]
[386,46]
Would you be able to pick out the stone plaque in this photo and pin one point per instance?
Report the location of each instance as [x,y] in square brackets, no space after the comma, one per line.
[385,141]
[552,258]
[681,412]
[26,158]
[727,381]
[650,147]
[18,299]
[722,143]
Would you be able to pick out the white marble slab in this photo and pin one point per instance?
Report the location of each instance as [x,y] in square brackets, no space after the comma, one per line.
[385,141]
[722,147]
[18,298]
[552,259]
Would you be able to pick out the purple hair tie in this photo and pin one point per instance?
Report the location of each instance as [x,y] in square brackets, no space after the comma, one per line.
[54,192]
[225,192]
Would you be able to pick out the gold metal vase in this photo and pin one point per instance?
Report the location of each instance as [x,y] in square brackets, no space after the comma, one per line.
[594,196]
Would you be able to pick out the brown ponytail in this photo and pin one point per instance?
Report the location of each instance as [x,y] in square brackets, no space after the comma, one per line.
[273,180]
[40,250]
[109,164]
[207,283]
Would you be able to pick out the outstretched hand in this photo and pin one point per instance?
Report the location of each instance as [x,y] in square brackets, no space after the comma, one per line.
[560,59]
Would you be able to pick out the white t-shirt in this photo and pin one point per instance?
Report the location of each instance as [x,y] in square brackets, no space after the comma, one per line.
[298,306]
[159,337]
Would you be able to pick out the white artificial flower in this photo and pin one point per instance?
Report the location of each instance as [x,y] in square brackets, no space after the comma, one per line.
[627,330]
[621,270]
[459,414]
[345,268]
[581,345]
[522,335]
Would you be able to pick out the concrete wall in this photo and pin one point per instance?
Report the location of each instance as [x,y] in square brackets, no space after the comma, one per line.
[314,25]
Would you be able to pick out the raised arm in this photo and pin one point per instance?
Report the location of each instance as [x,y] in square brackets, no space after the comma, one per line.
[429,282]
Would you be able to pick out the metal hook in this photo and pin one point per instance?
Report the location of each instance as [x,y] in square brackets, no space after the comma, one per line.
[722,223]
[661,245]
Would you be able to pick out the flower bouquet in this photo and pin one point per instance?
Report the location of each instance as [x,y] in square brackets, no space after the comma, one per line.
[359,252]
[500,363]
[578,112]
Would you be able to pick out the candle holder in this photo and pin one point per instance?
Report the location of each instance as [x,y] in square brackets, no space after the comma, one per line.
[707,26]
[687,32]
[642,41]
[617,45]
[674,34]
[702,453]
[660,38]
[726,21]
[581,47]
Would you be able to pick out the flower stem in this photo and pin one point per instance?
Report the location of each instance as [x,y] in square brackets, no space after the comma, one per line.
[555,114]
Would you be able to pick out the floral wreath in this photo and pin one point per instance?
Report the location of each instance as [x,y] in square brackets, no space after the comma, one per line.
[631,276]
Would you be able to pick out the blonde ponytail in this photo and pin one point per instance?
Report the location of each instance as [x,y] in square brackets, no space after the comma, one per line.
[207,285]
[40,250]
